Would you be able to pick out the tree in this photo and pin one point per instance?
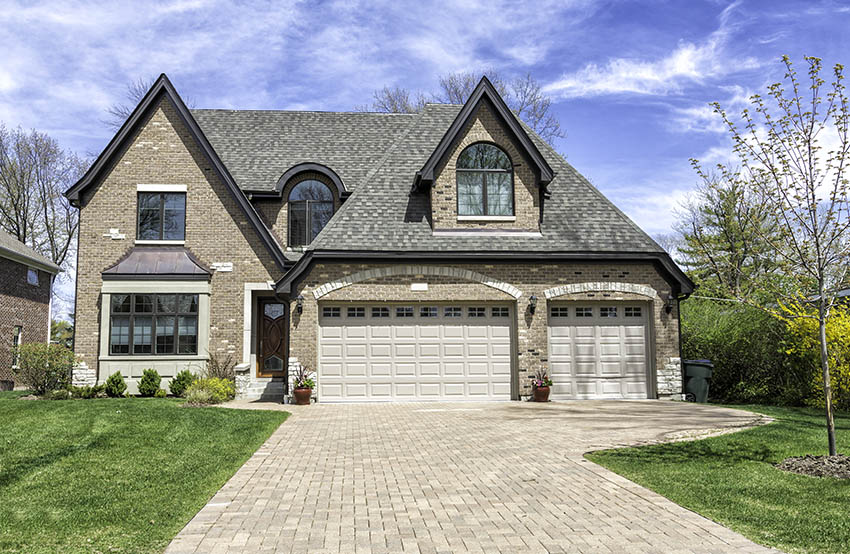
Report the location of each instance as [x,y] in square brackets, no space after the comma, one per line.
[721,232]
[34,172]
[670,242]
[523,95]
[793,150]
[119,112]
[62,332]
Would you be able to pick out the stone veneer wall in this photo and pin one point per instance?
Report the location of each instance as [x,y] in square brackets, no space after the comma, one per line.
[485,126]
[163,152]
[21,304]
[530,279]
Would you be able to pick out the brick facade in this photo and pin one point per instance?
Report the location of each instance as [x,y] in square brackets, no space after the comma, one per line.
[529,278]
[485,126]
[163,152]
[24,305]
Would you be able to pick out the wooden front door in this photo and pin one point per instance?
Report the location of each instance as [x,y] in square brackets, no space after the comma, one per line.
[273,340]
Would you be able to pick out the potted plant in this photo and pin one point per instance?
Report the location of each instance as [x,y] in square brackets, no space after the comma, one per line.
[540,384]
[302,387]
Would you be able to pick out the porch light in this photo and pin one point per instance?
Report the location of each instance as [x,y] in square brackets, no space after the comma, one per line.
[532,304]
[668,302]
[299,304]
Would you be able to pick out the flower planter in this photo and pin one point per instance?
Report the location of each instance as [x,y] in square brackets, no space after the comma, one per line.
[302,396]
[541,394]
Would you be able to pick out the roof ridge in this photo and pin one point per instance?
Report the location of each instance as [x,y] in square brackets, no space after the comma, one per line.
[255,110]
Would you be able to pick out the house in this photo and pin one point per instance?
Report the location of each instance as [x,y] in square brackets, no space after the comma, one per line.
[26,283]
[448,254]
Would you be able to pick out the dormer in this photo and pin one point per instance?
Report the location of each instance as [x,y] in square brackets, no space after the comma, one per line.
[486,172]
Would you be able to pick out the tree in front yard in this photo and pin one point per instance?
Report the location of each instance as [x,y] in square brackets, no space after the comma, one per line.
[44,367]
[792,147]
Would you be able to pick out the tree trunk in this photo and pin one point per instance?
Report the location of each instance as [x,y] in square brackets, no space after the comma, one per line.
[827,388]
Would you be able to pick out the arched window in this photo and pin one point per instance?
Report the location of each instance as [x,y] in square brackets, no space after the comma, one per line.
[485,181]
[311,205]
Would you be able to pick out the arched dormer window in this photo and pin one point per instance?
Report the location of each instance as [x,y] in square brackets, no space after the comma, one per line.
[485,181]
[311,205]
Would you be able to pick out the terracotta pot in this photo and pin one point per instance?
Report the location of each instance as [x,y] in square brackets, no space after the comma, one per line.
[302,396]
[541,394]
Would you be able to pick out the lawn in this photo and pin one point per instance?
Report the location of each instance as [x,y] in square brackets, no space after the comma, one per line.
[731,479]
[114,475]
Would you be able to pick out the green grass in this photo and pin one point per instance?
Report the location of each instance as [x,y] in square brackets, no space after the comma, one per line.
[114,475]
[731,479]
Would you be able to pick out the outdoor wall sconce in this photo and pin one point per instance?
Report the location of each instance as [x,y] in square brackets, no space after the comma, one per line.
[668,302]
[299,304]
[532,304]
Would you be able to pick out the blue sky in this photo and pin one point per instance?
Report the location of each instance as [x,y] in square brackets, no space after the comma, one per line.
[630,80]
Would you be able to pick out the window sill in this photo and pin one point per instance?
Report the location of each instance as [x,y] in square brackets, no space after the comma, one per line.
[491,218]
[152,357]
[162,242]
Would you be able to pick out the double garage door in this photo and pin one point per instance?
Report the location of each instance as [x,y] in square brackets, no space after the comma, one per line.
[383,352]
[598,350]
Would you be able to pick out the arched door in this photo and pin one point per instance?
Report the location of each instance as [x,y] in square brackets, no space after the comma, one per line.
[273,340]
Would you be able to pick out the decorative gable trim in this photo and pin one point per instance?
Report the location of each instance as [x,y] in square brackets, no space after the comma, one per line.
[438,271]
[600,286]
[485,91]
[162,88]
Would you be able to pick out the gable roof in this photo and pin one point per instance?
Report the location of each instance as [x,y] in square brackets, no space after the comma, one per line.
[162,88]
[484,92]
[13,249]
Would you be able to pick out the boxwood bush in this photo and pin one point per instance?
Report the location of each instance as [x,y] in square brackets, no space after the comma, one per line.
[149,383]
[115,385]
[181,382]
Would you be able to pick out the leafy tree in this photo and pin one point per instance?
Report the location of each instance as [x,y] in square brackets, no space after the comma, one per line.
[62,332]
[721,231]
[523,95]
[793,151]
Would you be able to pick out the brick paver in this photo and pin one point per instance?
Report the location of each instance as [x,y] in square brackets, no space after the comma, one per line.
[427,478]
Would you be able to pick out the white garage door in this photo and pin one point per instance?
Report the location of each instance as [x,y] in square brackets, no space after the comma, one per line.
[380,352]
[598,350]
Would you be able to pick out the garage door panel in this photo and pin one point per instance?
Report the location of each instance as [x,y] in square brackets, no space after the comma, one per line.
[414,358]
[597,357]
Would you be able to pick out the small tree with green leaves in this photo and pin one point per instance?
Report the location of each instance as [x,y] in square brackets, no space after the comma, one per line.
[792,146]
[44,367]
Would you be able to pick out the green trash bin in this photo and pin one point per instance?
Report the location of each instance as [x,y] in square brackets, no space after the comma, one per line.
[697,377]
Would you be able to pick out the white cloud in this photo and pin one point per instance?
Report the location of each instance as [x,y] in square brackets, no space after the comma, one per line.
[688,63]
[702,118]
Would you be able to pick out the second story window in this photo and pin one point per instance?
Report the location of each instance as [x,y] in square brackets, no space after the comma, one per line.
[32,276]
[162,216]
[311,205]
[485,182]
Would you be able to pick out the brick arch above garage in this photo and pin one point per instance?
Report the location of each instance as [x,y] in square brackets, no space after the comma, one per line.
[600,286]
[414,270]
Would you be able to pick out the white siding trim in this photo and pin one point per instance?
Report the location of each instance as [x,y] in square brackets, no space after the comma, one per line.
[161,188]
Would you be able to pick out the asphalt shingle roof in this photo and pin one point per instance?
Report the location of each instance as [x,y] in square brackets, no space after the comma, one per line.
[377,156]
[12,247]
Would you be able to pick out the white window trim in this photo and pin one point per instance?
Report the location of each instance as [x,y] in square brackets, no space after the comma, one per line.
[161,188]
[492,218]
[162,242]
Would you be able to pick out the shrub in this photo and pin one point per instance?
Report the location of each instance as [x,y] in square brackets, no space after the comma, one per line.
[220,366]
[44,367]
[210,391]
[88,392]
[160,393]
[115,385]
[748,348]
[803,345]
[181,382]
[58,394]
[149,383]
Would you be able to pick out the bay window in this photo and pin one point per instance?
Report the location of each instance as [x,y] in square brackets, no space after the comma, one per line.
[153,324]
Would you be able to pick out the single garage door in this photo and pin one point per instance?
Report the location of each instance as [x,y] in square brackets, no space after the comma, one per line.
[598,350]
[382,352]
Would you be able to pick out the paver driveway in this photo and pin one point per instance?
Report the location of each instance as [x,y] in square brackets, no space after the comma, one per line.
[494,477]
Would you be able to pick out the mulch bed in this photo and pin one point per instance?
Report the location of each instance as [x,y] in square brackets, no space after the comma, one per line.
[837,466]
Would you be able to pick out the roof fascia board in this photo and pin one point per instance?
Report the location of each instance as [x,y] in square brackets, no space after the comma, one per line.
[163,86]
[26,260]
[484,91]
[682,281]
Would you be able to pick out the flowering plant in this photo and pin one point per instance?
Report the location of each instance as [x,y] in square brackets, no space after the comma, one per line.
[303,378]
[541,379]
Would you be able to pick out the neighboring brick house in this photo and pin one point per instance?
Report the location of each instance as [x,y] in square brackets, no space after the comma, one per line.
[447,254]
[26,281]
